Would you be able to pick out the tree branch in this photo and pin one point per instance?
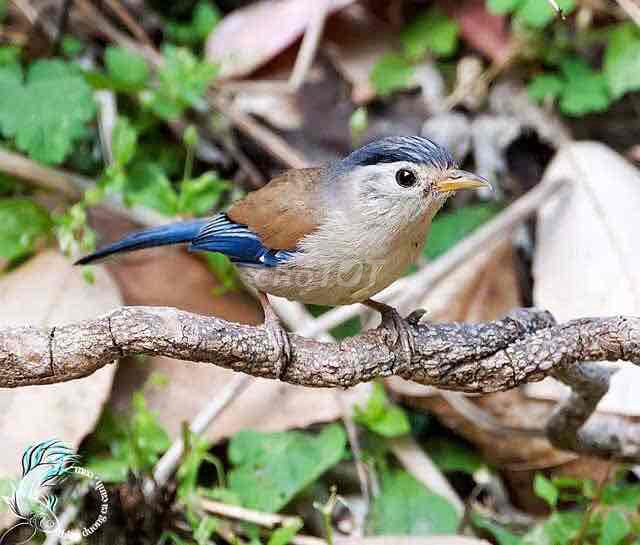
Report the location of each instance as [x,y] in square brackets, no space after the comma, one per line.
[525,346]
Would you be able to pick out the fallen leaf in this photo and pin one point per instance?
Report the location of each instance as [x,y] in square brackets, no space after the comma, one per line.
[486,32]
[45,291]
[587,260]
[249,37]
[183,281]
[355,43]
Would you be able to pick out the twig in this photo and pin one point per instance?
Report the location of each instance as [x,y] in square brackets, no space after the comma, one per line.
[309,45]
[130,22]
[632,9]
[71,185]
[268,520]
[167,465]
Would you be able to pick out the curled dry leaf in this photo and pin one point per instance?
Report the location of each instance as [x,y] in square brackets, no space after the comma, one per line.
[45,291]
[266,405]
[486,32]
[587,259]
[249,37]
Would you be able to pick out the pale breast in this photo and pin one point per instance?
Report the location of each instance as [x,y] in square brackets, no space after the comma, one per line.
[344,272]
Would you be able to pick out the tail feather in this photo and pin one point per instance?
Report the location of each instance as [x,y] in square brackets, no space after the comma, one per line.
[175,233]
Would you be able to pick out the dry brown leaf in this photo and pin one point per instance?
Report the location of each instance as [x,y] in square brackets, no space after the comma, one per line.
[182,280]
[587,260]
[486,32]
[45,291]
[249,37]
[356,41]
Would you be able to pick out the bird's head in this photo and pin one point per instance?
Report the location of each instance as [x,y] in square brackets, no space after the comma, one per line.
[404,177]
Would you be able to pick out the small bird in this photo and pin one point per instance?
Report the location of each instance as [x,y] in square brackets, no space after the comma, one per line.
[333,235]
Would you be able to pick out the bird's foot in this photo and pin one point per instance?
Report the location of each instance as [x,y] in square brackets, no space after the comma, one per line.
[398,328]
[279,338]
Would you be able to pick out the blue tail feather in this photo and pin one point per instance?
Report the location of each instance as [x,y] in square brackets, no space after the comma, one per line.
[217,234]
[164,235]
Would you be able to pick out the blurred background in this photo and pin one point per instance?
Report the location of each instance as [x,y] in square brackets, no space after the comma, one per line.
[120,114]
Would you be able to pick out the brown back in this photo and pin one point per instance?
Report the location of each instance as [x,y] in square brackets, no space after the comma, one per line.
[283,211]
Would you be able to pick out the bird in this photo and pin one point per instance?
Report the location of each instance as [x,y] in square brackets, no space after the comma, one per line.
[332,235]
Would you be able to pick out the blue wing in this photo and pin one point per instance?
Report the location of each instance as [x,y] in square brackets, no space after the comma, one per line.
[237,242]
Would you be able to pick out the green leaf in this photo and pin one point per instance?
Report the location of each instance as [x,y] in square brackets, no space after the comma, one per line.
[107,469]
[126,67]
[622,60]
[545,86]
[545,489]
[585,90]
[282,536]
[124,142]
[614,528]
[147,436]
[381,416]
[539,13]
[431,31]
[453,455]
[449,228]
[183,81]
[23,223]
[624,494]
[206,527]
[405,507]
[46,114]
[502,536]
[271,468]
[205,18]
[200,195]
[562,528]
[501,7]
[148,185]
[391,73]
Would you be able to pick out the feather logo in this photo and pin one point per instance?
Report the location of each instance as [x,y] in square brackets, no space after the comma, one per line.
[44,465]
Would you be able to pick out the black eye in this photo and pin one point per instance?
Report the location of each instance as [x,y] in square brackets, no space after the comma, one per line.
[406,178]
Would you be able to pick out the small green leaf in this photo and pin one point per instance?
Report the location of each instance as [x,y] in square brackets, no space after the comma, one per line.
[183,81]
[47,113]
[453,455]
[23,223]
[622,60]
[200,195]
[451,227]
[381,416]
[126,67]
[391,73]
[624,494]
[124,142]
[206,527]
[585,90]
[431,31]
[545,86]
[148,185]
[501,7]
[405,507]
[282,536]
[71,46]
[539,13]
[614,528]
[502,535]
[271,468]
[545,489]
[205,18]
[108,469]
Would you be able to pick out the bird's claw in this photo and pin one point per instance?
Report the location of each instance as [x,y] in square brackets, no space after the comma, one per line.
[398,328]
[281,345]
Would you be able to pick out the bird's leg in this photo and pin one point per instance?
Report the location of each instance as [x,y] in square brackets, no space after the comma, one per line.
[393,322]
[279,336]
